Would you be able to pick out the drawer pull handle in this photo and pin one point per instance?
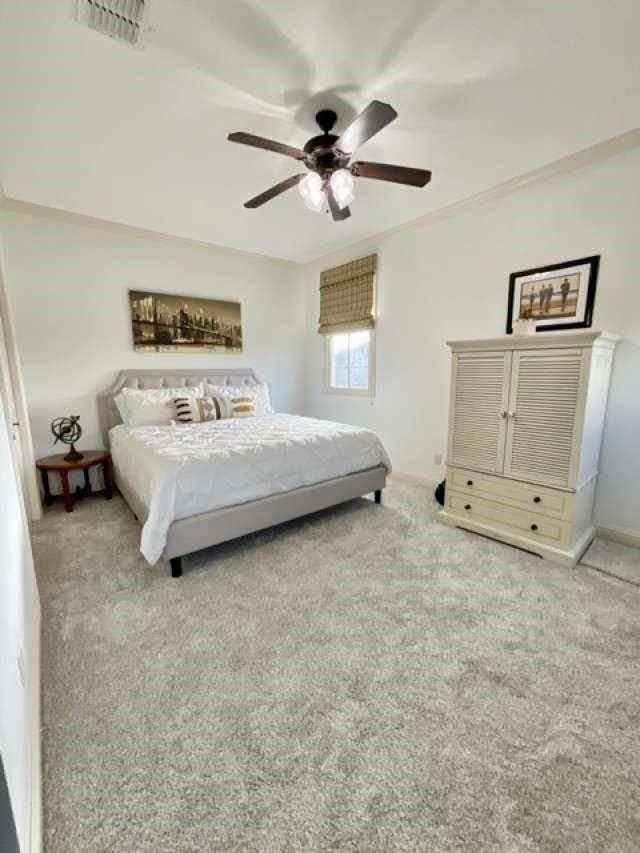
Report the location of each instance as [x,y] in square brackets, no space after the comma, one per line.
[537,500]
[469,482]
[467,506]
[534,527]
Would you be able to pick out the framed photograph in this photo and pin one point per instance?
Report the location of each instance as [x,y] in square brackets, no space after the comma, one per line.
[558,296]
[164,323]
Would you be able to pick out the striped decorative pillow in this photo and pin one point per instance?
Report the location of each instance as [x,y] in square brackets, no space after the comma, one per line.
[190,410]
[243,407]
[258,393]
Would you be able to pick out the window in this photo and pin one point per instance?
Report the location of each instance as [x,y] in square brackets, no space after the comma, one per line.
[350,358]
[347,321]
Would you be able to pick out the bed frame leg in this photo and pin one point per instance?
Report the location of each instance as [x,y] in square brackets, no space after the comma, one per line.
[176,567]
[378,496]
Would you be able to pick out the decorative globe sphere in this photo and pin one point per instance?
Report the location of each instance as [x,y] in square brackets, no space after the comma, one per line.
[68,431]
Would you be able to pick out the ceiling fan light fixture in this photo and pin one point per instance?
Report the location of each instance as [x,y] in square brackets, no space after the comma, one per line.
[329,184]
[342,186]
[312,191]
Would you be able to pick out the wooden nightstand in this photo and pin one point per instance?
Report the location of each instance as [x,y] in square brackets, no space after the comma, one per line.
[62,467]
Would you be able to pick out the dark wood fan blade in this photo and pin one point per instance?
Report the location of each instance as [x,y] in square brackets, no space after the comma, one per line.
[336,212]
[272,192]
[373,118]
[267,145]
[395,174]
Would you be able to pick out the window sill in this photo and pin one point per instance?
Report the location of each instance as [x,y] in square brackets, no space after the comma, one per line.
[349,392]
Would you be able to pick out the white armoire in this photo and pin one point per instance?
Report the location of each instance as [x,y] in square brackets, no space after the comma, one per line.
[526,418]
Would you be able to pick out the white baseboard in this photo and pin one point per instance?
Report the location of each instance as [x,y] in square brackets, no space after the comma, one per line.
[418,479]
[619,534]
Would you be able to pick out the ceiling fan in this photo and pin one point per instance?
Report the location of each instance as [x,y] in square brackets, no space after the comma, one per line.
[330,174]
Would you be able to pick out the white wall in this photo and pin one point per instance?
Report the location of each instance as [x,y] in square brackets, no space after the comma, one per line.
[19,638]
[447,278]
[444,278]
[68,283]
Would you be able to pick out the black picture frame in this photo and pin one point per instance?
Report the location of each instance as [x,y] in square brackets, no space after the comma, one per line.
[594,263]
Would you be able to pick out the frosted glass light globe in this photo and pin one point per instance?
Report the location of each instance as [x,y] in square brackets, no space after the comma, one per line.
[312,192]
[342,186]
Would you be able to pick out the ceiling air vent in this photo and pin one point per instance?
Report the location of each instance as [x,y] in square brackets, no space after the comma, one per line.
[120,19]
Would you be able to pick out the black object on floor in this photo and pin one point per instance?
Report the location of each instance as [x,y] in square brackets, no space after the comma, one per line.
[439,492]
[8,834]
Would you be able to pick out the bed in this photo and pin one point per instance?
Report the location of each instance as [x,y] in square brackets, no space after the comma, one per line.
[192,486]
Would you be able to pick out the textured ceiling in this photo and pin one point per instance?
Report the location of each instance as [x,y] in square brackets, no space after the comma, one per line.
[484,91]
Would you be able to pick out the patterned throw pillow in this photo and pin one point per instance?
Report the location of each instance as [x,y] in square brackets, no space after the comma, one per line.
[243,407]
[258,393]
[191,410]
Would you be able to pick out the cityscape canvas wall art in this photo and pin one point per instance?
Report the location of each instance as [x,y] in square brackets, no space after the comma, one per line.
[556,296]
[165,323]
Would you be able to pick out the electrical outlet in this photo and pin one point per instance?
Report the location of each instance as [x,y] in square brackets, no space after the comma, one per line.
[21,668]
[437,458]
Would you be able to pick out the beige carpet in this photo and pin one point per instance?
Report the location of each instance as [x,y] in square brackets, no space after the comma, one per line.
[365,679]
[615,559]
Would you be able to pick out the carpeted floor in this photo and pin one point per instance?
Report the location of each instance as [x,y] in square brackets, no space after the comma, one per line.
[365,679]
[621,561]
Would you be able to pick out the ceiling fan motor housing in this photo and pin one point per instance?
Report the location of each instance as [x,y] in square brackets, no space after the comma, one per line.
[322,155]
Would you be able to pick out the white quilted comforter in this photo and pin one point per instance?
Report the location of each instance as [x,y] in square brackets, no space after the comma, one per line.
[180,471]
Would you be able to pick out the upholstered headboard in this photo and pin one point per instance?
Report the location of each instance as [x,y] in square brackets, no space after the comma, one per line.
[108,411]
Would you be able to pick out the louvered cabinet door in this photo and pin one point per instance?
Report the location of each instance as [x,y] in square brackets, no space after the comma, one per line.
[545,405]
[479,395]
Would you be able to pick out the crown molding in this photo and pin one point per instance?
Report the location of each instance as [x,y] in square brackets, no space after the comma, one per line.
[598,153]
[56,214]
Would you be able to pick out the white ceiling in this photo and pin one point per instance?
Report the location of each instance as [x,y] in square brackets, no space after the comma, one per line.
[485,91]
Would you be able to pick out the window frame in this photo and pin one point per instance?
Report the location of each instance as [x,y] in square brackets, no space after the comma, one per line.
[350,392]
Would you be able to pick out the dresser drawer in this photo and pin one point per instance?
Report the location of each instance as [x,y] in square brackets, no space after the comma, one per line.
[526,525]
[513,493]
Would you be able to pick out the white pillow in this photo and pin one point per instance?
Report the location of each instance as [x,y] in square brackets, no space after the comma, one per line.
[151,413]
[259,394]
[150,406]
[121,406]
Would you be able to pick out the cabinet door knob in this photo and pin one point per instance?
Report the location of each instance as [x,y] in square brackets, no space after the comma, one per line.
[469,482]
[537,500]
[467,506]
[534,526]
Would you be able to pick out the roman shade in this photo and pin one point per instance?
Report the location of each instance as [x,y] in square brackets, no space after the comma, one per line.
[347,297]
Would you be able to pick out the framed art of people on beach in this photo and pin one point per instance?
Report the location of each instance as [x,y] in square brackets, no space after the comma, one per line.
[557,296]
